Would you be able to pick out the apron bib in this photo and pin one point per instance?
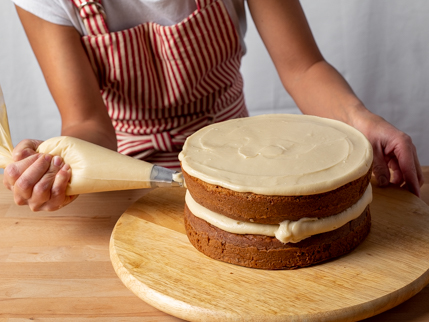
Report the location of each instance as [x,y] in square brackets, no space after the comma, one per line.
[160,84]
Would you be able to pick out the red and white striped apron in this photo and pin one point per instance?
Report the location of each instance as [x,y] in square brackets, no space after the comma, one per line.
[162,83]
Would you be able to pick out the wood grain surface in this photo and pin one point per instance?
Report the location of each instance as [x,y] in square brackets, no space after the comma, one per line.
[153,257]
[56,266]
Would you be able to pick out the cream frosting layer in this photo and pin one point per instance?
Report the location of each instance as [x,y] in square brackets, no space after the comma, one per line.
[287,231]
[277,154]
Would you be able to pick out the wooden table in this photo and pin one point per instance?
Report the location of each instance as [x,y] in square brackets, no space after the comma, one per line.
[56,267]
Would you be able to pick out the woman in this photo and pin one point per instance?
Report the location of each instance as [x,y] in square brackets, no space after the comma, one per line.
[124,81]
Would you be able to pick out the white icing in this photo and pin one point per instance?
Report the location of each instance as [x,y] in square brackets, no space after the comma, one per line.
[287,231]
[277,154]
[178,177]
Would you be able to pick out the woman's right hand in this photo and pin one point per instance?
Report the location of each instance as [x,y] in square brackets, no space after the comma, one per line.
[36,179]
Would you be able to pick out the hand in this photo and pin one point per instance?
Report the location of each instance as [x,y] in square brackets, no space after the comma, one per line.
[37,180]
[395,156]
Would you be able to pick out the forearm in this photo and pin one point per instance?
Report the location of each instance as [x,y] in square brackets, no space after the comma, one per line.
[316,86]
[322,90]
[92,132]
[70,79]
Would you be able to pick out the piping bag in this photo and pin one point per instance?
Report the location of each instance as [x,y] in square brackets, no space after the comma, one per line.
[94,168]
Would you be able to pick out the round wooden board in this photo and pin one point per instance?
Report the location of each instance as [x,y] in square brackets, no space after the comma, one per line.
[153,257]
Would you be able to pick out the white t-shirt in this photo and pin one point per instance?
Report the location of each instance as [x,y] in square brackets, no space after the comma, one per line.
[125,14]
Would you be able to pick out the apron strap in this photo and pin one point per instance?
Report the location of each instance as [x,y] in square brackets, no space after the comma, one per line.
[201,4]
[93,16]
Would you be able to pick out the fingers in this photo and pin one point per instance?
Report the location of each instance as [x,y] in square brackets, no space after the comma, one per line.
[42,197]
[25,148]
[30,178]
[404,163]
[410,167]
[59,186]
[396,176]
[380,166]
[22,175]
[39,181]
[419,169]
[58,198]
[395,156]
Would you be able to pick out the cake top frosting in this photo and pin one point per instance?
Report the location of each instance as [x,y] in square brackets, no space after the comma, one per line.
[277,154]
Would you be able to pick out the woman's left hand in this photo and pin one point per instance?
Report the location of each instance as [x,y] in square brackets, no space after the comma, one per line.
[395,156]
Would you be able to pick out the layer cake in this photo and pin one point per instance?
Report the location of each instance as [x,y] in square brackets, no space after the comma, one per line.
[277,191]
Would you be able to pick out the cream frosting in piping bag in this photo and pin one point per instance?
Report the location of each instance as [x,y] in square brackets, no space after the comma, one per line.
[94,168]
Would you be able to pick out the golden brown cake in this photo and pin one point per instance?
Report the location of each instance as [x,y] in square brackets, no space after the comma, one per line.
[277,191]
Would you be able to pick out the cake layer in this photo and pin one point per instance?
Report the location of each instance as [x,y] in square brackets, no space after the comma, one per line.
[265,252]
[263,209]
[280,154]
[285,231]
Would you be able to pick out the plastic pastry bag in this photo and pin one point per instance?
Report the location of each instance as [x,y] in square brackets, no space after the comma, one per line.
[94,168]
[6,141]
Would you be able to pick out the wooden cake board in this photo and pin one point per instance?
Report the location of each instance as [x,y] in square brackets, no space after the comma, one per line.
[154,259]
